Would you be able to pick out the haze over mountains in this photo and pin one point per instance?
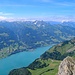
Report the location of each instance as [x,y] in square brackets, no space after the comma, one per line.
[18,36]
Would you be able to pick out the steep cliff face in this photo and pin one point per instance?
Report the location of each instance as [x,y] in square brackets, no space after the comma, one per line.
[67,66]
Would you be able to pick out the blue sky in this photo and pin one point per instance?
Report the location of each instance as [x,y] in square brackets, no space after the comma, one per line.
[55,10]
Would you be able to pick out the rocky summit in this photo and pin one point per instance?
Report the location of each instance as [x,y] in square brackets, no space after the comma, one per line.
[67,66]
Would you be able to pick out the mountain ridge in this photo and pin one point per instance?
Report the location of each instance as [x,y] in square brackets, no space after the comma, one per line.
[26,36]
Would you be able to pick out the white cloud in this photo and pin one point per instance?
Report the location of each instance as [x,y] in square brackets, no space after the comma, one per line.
[18,5]
[5,14]
[15,19]
[55,18]
[62,18]
[59,2]
[64,3]
[2,18]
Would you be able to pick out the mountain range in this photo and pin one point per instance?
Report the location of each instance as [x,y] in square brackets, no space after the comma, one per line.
[21,36]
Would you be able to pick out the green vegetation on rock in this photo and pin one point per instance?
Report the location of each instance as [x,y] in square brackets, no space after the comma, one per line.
[60,51]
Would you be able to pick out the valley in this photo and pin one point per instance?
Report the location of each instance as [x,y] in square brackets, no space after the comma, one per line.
[21,36]
[49,62]
[31,42]
[20,59]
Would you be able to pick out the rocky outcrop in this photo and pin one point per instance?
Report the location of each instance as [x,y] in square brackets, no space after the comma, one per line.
[67,66]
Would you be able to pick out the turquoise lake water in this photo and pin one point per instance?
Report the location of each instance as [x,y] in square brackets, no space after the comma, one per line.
[19,60]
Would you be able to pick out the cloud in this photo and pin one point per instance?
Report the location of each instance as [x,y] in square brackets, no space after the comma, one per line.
[11,19]
[2,18]
[65,3]
[59,2]
[5,14]
[62,18]
[7,17]
[18,5]
[51,18]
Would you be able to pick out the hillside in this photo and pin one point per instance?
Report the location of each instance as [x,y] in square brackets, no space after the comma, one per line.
[20,36]
[60,51]
[49,62]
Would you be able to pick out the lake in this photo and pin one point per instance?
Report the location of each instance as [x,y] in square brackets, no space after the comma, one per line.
[19,60]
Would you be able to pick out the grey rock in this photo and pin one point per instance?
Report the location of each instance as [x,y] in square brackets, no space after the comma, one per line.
[67,66]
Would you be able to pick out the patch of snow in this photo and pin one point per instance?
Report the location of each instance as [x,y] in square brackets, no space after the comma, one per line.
[38,25]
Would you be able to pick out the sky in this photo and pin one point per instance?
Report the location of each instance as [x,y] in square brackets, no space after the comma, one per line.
[50,10]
